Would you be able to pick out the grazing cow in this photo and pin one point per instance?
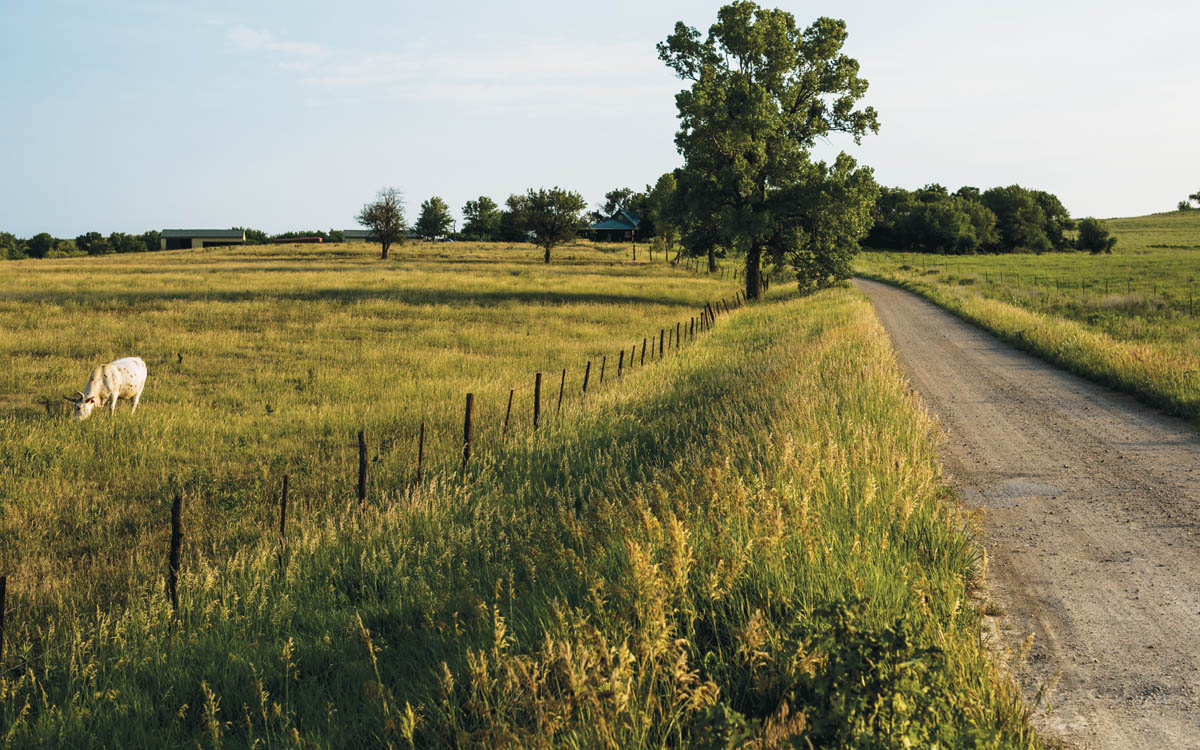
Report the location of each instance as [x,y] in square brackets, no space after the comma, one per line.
[121,378]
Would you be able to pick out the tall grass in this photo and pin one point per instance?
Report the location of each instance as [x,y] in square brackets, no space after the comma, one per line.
[745,545]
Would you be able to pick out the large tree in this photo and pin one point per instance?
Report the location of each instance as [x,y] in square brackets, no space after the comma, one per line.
[763,92]
[658,210]
[552,215]
[435,219]
[481,218]
[385,218]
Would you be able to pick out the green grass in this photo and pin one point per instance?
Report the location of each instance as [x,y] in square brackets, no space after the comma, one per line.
[1130,320]
[745,541]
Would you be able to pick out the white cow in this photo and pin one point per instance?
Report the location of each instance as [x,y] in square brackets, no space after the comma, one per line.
[121,378]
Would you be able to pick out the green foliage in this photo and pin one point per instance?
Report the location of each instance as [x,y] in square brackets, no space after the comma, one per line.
[658,211]
[822,218]
[253,236]
[1094,236]
[11,248]
[94,243]
[763,91]
[552,215]
[481,219]
[385,219]
[434,219]
[126,243]
[1028,220]
[151,240]
[40,245]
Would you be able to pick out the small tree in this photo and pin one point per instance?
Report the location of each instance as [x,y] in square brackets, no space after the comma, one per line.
[658,209]
[435,219]
[385,218]
[481,218]
[1094,237]
[552,215]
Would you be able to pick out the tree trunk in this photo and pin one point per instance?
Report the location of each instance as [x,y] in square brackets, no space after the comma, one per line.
[712,260]
[547,259]
[385,244]
[754,271]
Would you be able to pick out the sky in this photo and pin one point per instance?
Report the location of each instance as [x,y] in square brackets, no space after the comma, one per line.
[286,115]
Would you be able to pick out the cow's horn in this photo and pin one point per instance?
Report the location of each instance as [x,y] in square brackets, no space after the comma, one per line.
[80,395]
[70,398]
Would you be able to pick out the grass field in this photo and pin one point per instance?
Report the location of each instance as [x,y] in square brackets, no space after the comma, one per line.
[1130,319]
[746,541]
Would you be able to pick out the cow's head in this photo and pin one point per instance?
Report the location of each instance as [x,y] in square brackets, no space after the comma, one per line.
[81,407]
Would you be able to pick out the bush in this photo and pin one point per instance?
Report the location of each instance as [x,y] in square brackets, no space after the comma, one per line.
[1094,237]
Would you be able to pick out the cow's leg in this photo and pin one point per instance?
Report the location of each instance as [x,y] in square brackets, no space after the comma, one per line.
[112,404]
[136,397]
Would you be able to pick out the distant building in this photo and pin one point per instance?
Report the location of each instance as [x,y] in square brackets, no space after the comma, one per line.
[620,227]
[179,239]
[364,235]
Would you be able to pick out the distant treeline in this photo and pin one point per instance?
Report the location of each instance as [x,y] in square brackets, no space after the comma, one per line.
[999,220]
[45,245]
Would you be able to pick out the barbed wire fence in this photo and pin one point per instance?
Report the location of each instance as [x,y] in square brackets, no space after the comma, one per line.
[595,375]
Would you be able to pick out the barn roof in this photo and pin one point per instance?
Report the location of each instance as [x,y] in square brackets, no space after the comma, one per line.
[364,233]
[621,220]
[222,233]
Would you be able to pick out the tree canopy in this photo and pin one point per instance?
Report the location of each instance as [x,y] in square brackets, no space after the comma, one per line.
[434,219]
[552,215]
[481,219]
[762,92]
[385,218]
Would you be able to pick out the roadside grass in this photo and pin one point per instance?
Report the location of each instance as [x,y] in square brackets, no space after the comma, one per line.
[745,545]
[1130,320]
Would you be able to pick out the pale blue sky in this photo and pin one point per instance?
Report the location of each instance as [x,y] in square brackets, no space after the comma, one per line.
[126,116]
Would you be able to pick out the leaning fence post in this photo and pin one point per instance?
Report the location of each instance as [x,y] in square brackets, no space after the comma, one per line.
[283,498]
[176,548]
[362,465]
[603,362]
[537,399]
[3,605]
[643,350]
[420,454]
[508,411]
[467,424]
[586,374]
[562,385]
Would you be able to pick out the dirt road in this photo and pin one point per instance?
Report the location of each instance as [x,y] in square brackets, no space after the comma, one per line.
[1091,520]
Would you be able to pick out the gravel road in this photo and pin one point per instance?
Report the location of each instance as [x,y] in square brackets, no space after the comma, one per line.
[1091,521]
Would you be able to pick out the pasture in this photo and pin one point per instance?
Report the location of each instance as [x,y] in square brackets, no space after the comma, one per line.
[747,538]
[1130,319]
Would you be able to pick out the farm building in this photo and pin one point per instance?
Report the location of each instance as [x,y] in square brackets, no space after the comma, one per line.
[356,235]
[620,227]
[178,239]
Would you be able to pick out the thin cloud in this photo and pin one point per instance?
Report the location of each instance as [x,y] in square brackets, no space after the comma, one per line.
[251,40]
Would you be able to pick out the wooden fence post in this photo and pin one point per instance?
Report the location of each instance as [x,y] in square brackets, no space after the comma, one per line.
[677,327]
[537,399]
[643,350]
[586,374]
[603,362]
[3,606]
[283,498]
[662,335]
[362,465]
[508,411]
[621,363]
[692,328]
[176,549]
[420,454]
[562,385]
[467,424]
